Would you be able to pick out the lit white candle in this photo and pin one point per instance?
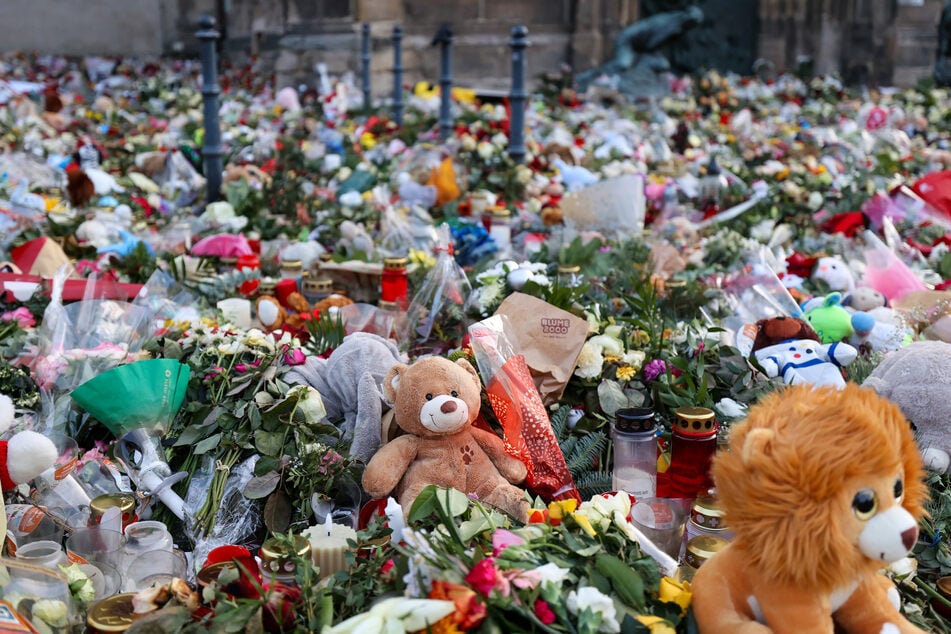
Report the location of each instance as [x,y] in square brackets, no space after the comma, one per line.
[328,544]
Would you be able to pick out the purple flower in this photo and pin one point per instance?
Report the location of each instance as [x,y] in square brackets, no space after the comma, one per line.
[654,369]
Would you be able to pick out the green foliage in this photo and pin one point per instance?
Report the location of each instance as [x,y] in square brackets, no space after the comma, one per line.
[586,454]
[326,333]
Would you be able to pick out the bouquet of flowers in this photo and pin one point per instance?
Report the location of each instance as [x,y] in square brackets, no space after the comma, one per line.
[574,568]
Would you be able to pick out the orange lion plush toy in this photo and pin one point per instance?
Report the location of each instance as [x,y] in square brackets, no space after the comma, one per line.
[824,489]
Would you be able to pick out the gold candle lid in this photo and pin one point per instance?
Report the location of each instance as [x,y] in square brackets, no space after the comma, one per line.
[292,264]
[210,572]
[393,264]
[706,512]
[702,547]
[319,285]
[695,421]
[385,305]
[112,614]
[276,558]
[569,268]
[326,257]
[501,212]
[266,287]
[102,503]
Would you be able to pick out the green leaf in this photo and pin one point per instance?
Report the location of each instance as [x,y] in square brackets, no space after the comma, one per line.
[627,584]
[207,444]
[424,505]
[261,486]
[269,443]
[452,502]
[277,512]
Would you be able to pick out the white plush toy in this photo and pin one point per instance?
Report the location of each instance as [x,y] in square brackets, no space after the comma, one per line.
[24,456]
[834,272]
[806,361]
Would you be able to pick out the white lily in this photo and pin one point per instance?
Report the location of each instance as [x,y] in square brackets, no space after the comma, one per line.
[395,616]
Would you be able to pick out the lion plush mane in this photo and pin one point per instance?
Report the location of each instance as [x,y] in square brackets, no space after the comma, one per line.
[789,486]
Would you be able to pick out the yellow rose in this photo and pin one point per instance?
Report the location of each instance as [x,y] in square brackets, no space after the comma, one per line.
[673,591]
[583,522]
[657,625]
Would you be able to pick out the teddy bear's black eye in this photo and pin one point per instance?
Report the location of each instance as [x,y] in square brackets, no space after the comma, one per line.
[864,504]
[899,488]
[454,394]
[808,350]
[793,349]
[429,397]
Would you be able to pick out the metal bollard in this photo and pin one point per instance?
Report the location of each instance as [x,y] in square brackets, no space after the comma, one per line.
[365,59]
[517,96]
[398,75]
[444,39]
[211,150]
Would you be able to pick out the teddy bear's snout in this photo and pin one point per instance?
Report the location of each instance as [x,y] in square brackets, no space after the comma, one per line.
[448,407]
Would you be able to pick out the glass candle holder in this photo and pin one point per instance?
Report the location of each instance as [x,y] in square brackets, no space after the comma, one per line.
[569,276]
[693,445]
[500,229]
[394,283]
[276,561]
[635,452]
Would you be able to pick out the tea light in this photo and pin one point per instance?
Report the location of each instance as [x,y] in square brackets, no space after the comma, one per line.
[328,544]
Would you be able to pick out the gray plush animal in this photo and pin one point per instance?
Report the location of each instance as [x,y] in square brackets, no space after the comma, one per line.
[349,383]
[917,378]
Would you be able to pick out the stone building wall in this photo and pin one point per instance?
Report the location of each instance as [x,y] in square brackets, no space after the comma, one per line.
[884,42]
[881,41]
[291,36]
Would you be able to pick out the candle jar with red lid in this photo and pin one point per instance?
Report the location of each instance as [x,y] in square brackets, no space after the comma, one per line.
[394,284]
[693,445]
[249,262]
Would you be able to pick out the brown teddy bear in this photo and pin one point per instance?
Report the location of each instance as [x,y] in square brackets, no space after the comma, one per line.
[775,330]
[823,489]
[435,402]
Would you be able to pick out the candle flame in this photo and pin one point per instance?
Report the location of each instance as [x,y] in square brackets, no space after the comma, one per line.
[329,524]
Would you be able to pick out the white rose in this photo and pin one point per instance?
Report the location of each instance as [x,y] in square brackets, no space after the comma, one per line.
[468,142]
[309,402]
[590,598]
[608,344]
[485,150]
[634,358]
[815,201]
[590,361]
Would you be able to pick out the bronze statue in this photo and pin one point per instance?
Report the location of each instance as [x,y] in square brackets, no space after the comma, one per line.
[942,66]
[637,68]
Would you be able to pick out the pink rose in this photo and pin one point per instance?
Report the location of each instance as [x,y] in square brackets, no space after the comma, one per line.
[295,357]
[21,315]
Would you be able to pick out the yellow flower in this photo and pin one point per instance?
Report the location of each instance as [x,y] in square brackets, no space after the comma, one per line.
[657,625]
[612,358]
[625,373]
[673,591]
[421,258]
[367,140]
[560,509]
[583,522]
